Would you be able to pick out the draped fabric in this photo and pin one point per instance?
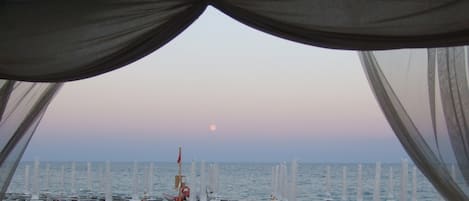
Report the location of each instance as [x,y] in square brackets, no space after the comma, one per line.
[22,107]
[425,96]
[358,25]
[53,40]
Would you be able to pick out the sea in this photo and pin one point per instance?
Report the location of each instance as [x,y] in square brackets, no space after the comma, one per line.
[244,181]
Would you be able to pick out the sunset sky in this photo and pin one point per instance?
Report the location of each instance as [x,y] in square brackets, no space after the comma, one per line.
[270,99]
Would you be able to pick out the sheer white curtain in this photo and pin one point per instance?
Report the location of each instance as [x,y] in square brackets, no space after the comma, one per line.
[425,96]
[22,106]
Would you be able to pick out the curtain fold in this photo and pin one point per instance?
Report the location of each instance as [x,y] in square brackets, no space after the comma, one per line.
[24,106]
[51,40]
[424,95]
[358,25]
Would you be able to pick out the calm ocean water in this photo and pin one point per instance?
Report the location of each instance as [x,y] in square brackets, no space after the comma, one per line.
[239,181]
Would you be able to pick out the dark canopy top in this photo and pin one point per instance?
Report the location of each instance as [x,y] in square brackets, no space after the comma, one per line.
[54,40]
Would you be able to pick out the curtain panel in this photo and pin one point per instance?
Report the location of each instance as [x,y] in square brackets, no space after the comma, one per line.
[424,95]
[22,107]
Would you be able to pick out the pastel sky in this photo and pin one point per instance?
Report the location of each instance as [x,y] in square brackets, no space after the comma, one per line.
[271,99]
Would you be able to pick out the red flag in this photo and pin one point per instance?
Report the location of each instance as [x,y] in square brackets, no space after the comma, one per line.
[179,156]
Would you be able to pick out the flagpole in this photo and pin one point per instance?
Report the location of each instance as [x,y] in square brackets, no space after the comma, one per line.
[179,174]
[179,162]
